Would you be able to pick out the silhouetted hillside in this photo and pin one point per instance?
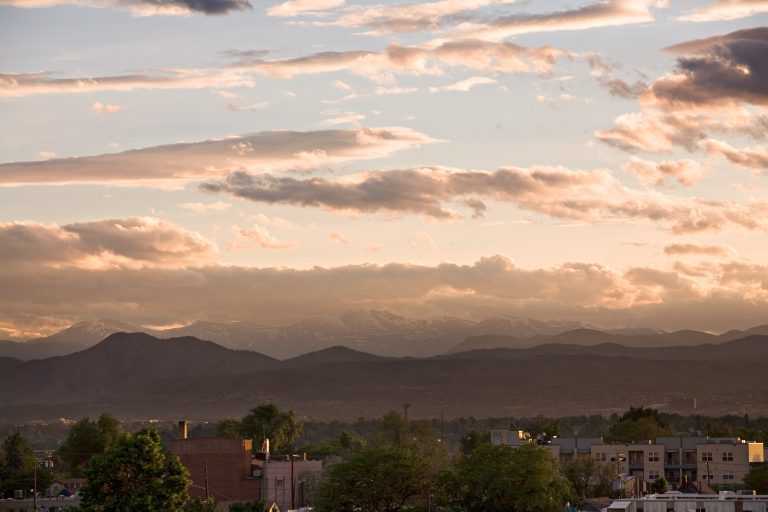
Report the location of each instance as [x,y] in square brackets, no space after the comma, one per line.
[136,375]
[119,362]
[337,354]
[591,337]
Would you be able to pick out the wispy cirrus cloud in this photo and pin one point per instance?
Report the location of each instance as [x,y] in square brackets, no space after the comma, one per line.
[726,10]
[267,151]
[143,7]
[301,7]
[409,17]
[603,13]
[583,196]
[381,66]
[27,84]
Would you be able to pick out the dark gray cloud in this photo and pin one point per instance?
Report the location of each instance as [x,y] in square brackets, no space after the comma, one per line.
[206,6]
[732,67]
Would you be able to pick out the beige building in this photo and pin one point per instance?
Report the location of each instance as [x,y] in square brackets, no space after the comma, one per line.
[681,460]
[726,461]
[724,502]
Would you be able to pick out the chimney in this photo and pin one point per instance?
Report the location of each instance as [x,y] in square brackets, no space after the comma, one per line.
[182,429]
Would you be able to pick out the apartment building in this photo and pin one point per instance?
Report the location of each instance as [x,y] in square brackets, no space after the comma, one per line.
[681,459]
[670,502]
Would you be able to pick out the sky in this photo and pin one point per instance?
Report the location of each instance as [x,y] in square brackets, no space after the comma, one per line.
[166,161]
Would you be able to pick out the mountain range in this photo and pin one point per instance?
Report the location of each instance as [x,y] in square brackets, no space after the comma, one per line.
[376,332]
[135,375]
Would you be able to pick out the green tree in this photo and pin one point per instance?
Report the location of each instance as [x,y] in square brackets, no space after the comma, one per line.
[88,438]
[229,428]
[499,478]
[638,424]
[17,470]
[17,453]
[268,420]
[380,479]
[660,485]
[589,478]
[136,474]
[757,479]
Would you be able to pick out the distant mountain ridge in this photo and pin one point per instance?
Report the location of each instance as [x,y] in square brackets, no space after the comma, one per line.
[378,332]
[375,332]
[137,375]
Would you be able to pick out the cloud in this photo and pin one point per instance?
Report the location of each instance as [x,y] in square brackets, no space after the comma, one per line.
[465,85]
[589,292]
[583,196]
[134,242]
[264,151]
[145,7]
[300,7]
[688,172]
[603,13]
[257,235]
[28,84]
[345,118]
[722,69]
[337,238]
[412,17]
[660,127]
[217,206]
[756,159]
[111,110]
[381,66]
[696,249]
[727,10]
[254,107]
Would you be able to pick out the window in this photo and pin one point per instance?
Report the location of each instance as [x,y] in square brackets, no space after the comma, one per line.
[706,456]
[653,456]
[727,456]
[700,508]
[653,474]
[727,475]
[600,457]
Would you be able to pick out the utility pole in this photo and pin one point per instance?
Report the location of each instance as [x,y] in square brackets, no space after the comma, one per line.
[293,487]
[406,406]
[442,426]
[34,491]
[205,467]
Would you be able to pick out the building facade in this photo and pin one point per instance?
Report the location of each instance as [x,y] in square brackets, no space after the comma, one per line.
[681,459]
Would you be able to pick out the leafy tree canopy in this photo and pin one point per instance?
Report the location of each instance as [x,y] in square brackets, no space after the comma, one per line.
[589,478]
[499,478]
[638,424]
[135,474]
[379,479]
[17,453]
[265,421]
[17,467]
[660,485]
[88,438]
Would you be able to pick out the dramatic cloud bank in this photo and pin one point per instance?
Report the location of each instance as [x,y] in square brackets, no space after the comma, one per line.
[265,151]
[144,7]
[585,196]
[737,293]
